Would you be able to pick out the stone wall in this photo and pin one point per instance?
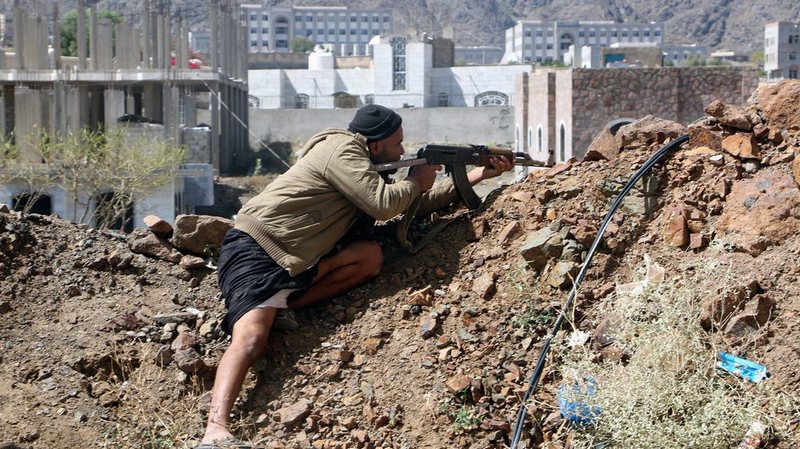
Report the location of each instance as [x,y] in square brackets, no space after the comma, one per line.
[673,93]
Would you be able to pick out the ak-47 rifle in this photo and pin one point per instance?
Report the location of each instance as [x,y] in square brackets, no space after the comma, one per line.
[455,160]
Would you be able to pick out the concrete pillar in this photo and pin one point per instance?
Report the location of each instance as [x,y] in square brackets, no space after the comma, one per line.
[103,49]
[180,56]
[189,108]
[19,44]
[114,106]
[56,38]
[6,110]
[165,38]
[146,54]
[152,102]
[159,32]
[93,42]
[246,119]
[214,38]
[130,101]
[215,127]
[225,131]
[76,107]
[30,121]
[81,35]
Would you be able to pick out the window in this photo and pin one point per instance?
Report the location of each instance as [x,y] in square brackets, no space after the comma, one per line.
[563,145]
[385,19]
[280,30]
[342,32]
[539,132]
[581,34]
[376,19]
[539,33]
[309,18]
[793,56]
[793,74]
[254,17]
[254,43]
[614,33]
[443,100]
[602,34]
[264,30]
[592,34]
[364,32]
[301,101]
[331,32]
[491,98]
[353,32]
[646,33]
[530,137]
[635,33]
[298,18]
[624,34]
[364,19]
[528,34]
[264,17]
[353,18]
[253,30]
[549,46]
[374,32]
[398,63]
[656,33]
[281,43]
[791,39]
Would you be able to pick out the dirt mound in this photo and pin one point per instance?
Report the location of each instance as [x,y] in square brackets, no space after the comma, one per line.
[104,346]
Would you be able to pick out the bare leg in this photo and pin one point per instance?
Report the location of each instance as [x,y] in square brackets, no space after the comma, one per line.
[355,264]
[250,336]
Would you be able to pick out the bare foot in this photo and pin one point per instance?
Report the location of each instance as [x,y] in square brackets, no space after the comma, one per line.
[216,433]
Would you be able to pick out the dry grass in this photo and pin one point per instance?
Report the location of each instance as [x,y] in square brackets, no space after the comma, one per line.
[666,392]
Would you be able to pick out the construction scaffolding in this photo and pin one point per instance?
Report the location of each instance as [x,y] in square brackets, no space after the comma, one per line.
[133,72]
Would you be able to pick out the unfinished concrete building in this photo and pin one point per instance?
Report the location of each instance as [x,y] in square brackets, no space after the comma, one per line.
[129,74]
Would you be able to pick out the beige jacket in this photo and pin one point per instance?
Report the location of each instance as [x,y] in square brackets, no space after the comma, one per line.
[301,215]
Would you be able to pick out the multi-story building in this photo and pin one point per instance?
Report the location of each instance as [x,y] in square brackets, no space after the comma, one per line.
[346,31]
[539,41]
[2,30]
[480,55]
[680,55]
[782,50]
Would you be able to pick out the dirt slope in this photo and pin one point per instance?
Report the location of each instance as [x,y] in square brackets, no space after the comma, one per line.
[103,347]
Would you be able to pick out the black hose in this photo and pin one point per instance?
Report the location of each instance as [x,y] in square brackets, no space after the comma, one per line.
[537,372]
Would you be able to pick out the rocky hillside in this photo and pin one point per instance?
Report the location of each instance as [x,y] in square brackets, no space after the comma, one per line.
[112,340]
[735,25]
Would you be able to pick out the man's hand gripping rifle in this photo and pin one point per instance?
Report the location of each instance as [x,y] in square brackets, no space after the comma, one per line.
[455,160]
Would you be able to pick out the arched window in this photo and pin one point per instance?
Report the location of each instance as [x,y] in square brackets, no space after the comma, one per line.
[491,98]
[530,138]
[32,203]
[539,132]
[563,144]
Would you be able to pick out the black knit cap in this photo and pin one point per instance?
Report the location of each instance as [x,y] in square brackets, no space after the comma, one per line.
[375,122]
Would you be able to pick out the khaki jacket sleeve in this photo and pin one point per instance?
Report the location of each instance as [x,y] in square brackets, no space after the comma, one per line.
[441,195]
[350,171]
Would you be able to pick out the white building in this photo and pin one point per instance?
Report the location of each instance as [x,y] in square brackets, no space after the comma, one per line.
[679,55]
[347,30]
[401,74]
[538,41]
[478,55]
[781,50]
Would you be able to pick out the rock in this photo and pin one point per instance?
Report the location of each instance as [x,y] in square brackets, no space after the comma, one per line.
[778,103]
[4,209]
[200,234]
[458,383]
[372,344]
[796,167]
[164,356]
[760,212]
[562,274]
[184,340]
[509,232]
[560,168]
[702,137]
[541,246]
[189,262]
[719,309]
[177,318]
[755,315]
[649,130]
[604,146]
[149,244]
[676,232]
[188,360]
[729,115]
[476,229]
[158,226]
[293,414]
[484,286]
[428,326]
[697,241]
[742,145]
[360,436]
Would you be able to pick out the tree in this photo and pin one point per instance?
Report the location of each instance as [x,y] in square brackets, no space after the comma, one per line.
[757,57]
[69,29]
[94,165]
[302,44]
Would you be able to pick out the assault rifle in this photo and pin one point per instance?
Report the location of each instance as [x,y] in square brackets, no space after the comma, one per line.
[455,160]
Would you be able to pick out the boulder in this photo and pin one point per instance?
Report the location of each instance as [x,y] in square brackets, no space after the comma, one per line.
[145,242]
[200,234]
[700,136]
[742,145]
[778,103]
[649,130]
[605,145]
[158,226]
[541,246]
[729,115]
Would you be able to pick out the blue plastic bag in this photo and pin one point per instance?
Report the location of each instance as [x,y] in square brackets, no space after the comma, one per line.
[742,367]
[575,402]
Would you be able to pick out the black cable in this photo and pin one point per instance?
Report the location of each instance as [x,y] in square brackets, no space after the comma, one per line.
[537,372]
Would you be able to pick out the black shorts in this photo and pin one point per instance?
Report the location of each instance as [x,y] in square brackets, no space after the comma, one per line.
[248,276]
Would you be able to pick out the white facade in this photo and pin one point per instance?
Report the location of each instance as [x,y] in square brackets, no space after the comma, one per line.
[782,50]
[679,55]
[538,41]
[401,75]
[347,31]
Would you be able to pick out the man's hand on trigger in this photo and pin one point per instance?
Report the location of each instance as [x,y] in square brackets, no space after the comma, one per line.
[425,175]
